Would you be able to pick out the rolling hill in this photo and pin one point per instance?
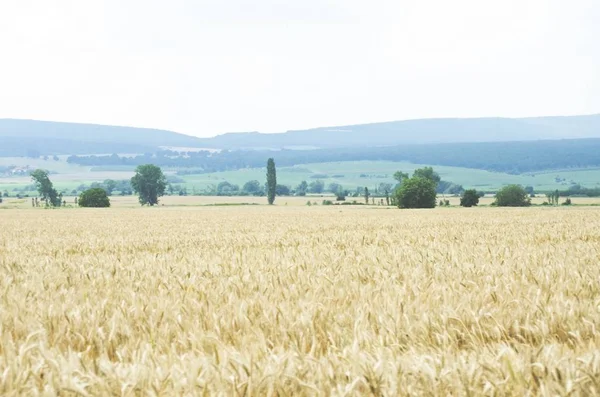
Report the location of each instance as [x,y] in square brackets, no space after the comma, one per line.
[18,137]
[418,132]
[21,137]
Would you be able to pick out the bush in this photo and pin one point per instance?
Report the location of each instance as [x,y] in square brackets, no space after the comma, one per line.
[327,202]
[469,198]
[95,198]
[512,196]
[567,201]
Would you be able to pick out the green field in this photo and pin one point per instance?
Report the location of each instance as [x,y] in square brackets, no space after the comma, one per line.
[349,174]
[382,171]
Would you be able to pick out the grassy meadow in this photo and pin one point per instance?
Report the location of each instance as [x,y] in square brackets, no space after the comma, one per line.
[349,174]
[297,300]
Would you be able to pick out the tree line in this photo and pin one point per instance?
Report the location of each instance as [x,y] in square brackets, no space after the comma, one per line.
[417,191]
[508,157]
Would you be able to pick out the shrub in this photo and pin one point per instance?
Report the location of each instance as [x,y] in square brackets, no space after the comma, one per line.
[469,198]
[327,202]
[512,196]
[567,201]
[95,197]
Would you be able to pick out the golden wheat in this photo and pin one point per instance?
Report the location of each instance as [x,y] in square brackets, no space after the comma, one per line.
[300,301]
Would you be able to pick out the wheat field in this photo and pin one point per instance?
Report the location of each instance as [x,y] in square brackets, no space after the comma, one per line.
[299,300]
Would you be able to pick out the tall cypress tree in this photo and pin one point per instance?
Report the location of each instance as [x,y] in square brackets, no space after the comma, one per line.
[271,180]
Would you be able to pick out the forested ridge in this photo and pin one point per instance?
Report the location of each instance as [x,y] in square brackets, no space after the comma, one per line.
[509,157]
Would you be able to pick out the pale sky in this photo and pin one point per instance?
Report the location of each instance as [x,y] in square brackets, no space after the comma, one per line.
[209,67]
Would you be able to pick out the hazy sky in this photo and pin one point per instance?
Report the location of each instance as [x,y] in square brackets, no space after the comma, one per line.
[209,67]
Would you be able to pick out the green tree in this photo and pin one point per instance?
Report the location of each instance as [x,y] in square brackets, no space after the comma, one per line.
[109,186]
[334,187]
[149,183]
[282,190]
[416,192]
[512,196]
[367,194]
[556,197]
[45,188]
[252,187]
[385,189]
[340,194]
[271,181]
[469,198]
[400,176]
[301,189]
[427,173]
[227,189]
[95,197]
[316,186]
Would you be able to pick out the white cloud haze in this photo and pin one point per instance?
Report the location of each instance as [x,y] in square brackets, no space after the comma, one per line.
[209,67]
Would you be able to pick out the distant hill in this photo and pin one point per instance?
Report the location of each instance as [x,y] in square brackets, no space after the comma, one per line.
[418,132]
[23,137]
[18,137]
